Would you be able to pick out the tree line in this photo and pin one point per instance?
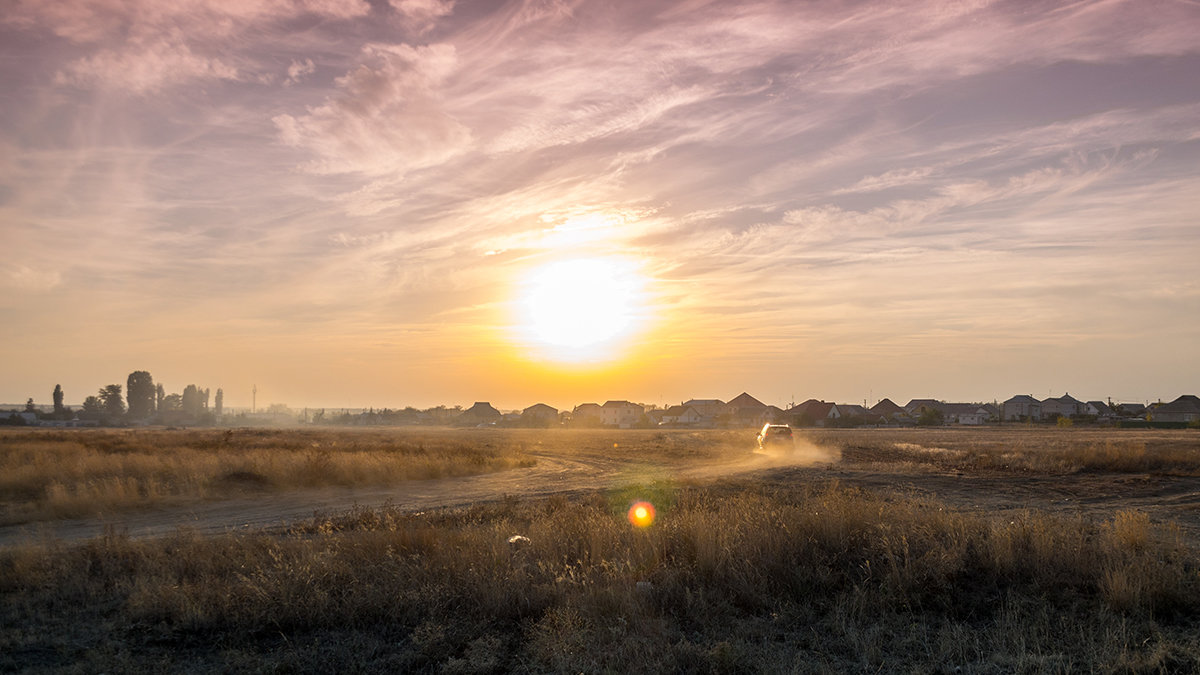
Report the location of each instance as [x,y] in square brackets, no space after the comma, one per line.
[140,401]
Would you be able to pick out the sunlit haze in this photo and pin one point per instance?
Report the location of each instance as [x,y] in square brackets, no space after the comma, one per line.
[352,203]
[578,310]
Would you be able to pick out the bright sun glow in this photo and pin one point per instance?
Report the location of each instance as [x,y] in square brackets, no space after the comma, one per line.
[641,514]
[580,310]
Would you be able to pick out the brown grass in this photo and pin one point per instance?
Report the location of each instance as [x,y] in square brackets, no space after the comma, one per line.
[732,578]
[63,474]
[57,474]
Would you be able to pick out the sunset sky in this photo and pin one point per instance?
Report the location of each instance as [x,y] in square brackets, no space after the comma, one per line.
[353,203]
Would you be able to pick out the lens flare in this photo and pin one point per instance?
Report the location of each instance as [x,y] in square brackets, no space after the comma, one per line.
[641,514]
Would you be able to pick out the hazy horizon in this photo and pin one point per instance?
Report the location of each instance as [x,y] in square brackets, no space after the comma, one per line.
[428,202]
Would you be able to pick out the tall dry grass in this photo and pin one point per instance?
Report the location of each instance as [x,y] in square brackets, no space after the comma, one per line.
[734,578]
[60,474]
[47,474]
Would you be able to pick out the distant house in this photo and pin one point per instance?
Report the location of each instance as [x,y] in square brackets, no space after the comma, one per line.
[887,409]
[1063,406]
[683,416]
[1098,409]
[971,414]
[916,406]
[480,413]
[745,411]
[587,415]
[1129,409]
[1021,407]
[621,414]
[813,413]
[1186,408]
[706,407]
[539,415]
[852,414]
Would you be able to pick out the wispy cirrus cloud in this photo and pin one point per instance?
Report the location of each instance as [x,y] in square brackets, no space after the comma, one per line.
[389,117]
[799,178]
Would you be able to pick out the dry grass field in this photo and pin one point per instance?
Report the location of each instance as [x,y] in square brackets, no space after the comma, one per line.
[68,474]
[878,561]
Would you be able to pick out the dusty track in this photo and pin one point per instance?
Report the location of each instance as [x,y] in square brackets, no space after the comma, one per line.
[1089,495]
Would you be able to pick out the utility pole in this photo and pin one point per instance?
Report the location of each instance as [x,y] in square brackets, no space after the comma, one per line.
[253,399]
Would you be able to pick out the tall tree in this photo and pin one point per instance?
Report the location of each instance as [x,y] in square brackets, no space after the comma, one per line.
[219,402]
[140,392]
[159,395]
[58,400]
[114,404]
[29,406]
[191,400]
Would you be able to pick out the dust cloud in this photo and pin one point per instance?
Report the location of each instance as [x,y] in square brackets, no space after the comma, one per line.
[748,457]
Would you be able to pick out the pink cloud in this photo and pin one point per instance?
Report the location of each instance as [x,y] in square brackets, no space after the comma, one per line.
[149,45]
[389,117]
[423,14]
[146,67]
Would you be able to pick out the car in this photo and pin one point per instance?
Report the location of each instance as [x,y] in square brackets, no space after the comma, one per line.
[774,435]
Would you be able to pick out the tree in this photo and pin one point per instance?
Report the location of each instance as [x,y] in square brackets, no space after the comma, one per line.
[140,392]
[114,405]
[191,400]
[219,402]
[58,400]
[93,407]
[29,406]
[159,395]
[931,417]
[171,403]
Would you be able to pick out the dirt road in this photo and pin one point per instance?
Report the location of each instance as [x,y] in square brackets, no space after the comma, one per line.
[1091,495]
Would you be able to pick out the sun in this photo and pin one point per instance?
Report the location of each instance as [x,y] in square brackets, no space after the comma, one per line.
[581,310]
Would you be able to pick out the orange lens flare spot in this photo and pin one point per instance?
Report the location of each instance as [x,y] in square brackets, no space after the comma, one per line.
[641,514]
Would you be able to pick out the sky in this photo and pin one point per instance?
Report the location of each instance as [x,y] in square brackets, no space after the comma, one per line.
[353,203]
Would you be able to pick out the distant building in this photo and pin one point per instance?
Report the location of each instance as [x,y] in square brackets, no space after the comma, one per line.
[480,413]
[1186,408]
[887,409]
[745,411]
[587,415]
[916,406]
[706,407]
[684,416]
[621,414]
[1064,406]
[971,414]
[813,413]
[539,415]
[1129,409]
[1021,408]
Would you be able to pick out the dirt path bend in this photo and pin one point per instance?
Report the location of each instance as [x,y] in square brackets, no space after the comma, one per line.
[1091,495]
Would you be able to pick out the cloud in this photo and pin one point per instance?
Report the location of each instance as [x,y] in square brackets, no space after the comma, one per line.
[298,70]
[146,46]
[146,67]
[26,279]
[422,15]
[389,117]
